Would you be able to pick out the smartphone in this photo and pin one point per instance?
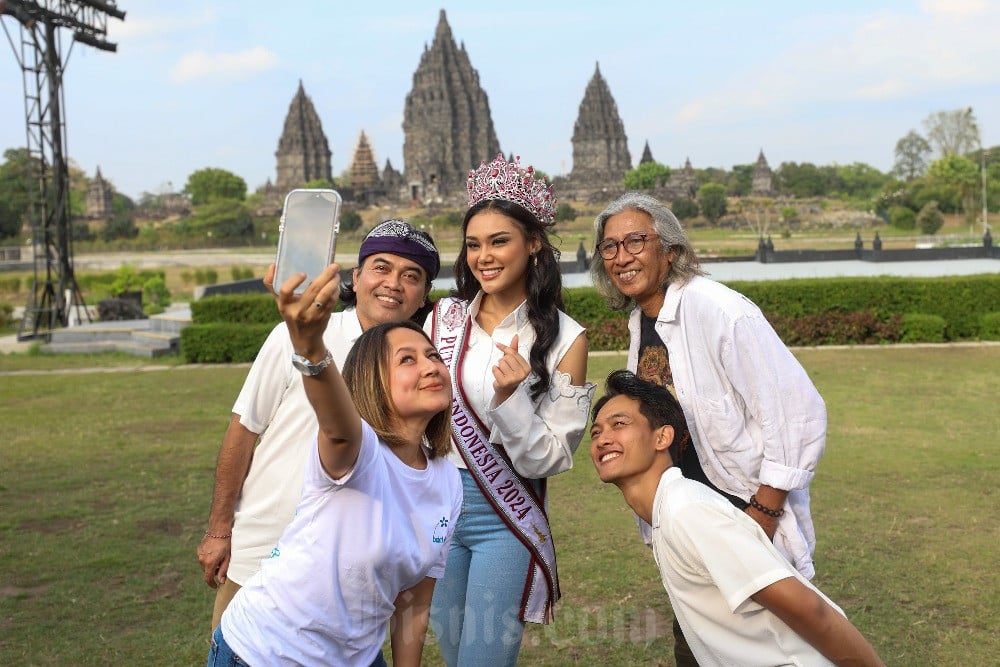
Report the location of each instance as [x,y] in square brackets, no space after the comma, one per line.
[307,235]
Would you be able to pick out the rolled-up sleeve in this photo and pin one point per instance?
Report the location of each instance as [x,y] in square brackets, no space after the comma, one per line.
[784,403]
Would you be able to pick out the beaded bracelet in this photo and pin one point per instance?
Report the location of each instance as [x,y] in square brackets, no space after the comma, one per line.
[218,537]
[777,514]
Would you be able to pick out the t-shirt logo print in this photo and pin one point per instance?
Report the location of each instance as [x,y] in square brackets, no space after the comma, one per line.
[440,530]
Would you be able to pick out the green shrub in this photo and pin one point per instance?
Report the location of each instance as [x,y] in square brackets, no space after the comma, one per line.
[834,328]
[923,328]
[610,334]
[902,217]
[206,276]
[155,295]
[6,315]
[930,220]
[241,272]
[960,300]
[236,309]
[10,285]
[112,284]
[222,343]
[989,326]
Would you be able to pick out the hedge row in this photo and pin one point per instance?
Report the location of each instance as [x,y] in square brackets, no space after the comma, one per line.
[821,311]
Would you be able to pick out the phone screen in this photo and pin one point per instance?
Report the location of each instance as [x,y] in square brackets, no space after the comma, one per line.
[307,235]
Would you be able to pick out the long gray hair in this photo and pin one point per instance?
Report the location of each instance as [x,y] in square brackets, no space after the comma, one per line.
[684,267]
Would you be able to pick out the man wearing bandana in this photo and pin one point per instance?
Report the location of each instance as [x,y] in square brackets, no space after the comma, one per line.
[258,475]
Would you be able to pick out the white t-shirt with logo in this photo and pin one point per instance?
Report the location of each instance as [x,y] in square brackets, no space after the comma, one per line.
[326,594]
[274,404]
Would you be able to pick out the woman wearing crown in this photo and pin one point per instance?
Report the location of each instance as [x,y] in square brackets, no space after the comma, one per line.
[518,367]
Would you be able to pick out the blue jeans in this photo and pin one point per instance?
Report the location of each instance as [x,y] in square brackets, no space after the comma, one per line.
[475,613]
[221,655]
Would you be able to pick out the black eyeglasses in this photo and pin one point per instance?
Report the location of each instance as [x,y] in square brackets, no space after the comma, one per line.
[633,244]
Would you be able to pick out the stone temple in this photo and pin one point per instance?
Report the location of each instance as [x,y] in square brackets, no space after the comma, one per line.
[99,198]
[448,130]
[600,147]
[447,125]
[303,153]
[762,183]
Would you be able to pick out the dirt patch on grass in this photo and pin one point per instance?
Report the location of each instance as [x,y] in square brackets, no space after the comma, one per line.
[52,526]
[21,592]
[166,586]
[169,527]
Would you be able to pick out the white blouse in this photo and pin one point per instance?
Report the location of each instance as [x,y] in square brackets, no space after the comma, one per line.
[542,445]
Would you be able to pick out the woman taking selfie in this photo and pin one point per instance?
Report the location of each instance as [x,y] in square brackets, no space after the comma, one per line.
[379,502]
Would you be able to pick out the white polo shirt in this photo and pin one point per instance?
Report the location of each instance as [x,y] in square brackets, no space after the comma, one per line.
[712,559]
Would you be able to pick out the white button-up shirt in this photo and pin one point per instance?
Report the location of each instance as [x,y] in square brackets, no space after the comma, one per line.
[755,416]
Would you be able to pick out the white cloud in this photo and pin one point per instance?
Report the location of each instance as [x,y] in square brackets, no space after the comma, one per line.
[956,8]
[139,26]
[229,66]
[882,56]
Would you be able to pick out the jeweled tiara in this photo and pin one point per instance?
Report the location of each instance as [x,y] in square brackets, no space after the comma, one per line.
[501,179]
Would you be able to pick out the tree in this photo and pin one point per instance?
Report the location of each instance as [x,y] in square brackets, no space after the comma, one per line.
[741,180]
[952,132]
[960,173]
[801,180]
[350,220]
[759,213]
[120,226]
[646,176]
[211,184]
[912,152]
[859,180]
[930,220]
[684,208]
[16,181]
[565,213]
[319,184]
[712,199]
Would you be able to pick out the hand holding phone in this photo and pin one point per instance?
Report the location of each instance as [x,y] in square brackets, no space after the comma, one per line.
[307,234]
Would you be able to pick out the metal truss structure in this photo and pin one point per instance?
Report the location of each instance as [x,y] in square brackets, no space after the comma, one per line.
[55,297]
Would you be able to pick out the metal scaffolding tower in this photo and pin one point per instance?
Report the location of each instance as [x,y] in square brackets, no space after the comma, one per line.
[38,49]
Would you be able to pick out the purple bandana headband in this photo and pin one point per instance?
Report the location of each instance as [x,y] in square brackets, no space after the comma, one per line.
[398,237]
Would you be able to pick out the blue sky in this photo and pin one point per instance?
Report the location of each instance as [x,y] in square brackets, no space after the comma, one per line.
[198,84]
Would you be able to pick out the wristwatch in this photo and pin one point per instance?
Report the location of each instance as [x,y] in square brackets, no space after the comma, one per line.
[306,367]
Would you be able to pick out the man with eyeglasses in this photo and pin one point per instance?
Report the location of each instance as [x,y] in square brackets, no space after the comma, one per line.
[757,423]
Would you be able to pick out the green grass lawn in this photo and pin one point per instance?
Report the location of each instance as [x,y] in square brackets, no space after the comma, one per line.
[105,482]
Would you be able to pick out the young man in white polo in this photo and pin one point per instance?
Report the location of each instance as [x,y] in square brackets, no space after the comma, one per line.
[738,600]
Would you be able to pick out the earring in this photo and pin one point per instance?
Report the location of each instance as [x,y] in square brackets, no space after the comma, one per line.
[536,258]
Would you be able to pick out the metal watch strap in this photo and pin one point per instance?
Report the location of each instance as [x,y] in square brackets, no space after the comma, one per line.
[310,368]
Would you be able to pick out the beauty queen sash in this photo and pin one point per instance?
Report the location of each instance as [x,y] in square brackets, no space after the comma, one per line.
[512,498]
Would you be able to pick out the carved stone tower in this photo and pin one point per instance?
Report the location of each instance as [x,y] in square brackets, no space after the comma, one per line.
[99,198]
[447,125]
[364,172]
[762,184]
[600,147]
[647,155]
[303,152]
[682,184]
